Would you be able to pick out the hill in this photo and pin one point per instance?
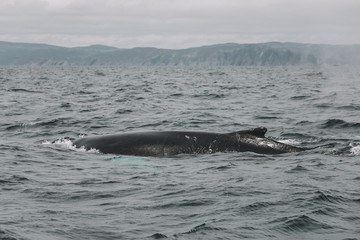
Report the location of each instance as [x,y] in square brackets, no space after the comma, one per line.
[229,54]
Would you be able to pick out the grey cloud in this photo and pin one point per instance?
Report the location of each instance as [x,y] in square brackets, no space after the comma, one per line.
[178,23]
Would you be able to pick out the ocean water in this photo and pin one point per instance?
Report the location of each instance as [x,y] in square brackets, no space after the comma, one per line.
[50,190]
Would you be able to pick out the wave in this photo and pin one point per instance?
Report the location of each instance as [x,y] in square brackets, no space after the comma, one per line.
[13,180]
[351,149]
[352,107]
[263,117]
[210,96]
[23,90]
[65,105]
[339,123]
[158,236]
[314,74]
[217,73]
[123,111]
[71,195]
[219,168]
[19,126]
[36,123]
[302,223]
[322,198]
[258,206]
[296,169]
[184,203]
[203,229]
[7,235]
[300,97]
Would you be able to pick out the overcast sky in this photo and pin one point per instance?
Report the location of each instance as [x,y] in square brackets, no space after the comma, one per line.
[178,23]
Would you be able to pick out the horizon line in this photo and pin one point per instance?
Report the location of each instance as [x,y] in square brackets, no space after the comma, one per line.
[208,45]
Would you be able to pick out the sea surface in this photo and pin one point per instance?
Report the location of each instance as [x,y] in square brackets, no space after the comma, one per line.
[51,190]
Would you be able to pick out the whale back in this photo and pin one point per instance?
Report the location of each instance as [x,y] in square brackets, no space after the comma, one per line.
[175,142]
[254,140]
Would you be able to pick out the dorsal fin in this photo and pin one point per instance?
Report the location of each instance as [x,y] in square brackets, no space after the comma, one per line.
[257,132]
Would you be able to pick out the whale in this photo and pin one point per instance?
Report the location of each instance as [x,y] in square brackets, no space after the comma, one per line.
[169,143]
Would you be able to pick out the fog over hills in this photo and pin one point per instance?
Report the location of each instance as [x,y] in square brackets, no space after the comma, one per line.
[229,54]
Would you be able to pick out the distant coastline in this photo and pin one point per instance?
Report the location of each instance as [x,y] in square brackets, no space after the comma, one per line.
[228,54]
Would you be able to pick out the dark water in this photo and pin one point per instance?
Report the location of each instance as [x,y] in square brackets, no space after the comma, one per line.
[53,191]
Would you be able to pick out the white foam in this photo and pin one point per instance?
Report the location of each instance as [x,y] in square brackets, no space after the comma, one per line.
[355,149]
[68,144]
[289,141]
[27,124]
